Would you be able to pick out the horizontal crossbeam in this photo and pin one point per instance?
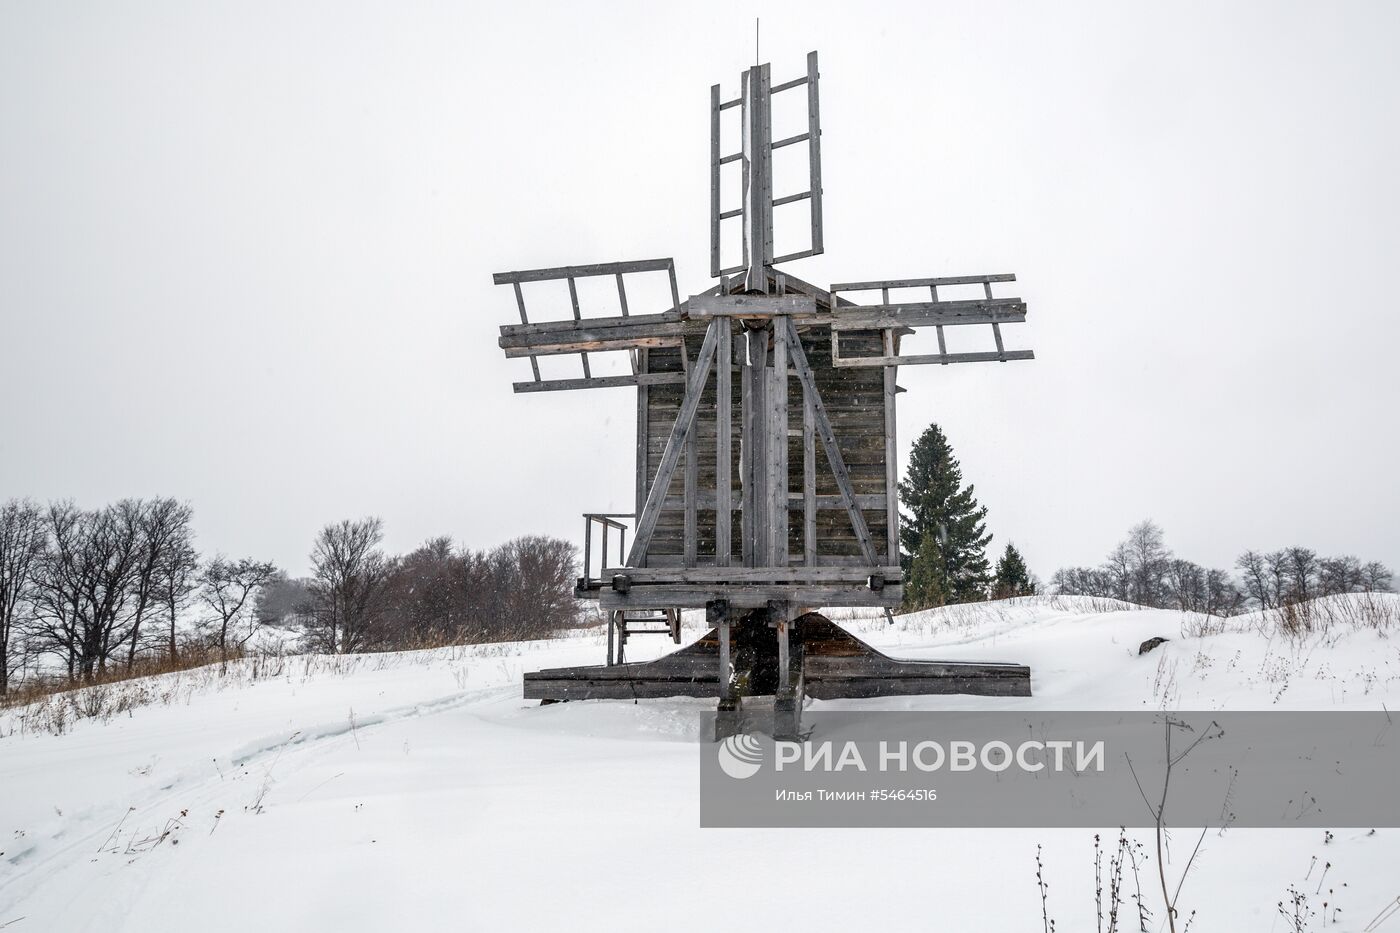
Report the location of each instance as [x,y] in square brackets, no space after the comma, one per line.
[700,306]
[931,313]
[749,595]
[593,346]
[854,576]
[992,356]
[571,337]
[925,283]
[585,271]
[553,328]
[600,382]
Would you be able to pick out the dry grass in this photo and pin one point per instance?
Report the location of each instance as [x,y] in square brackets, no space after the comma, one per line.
[35,689]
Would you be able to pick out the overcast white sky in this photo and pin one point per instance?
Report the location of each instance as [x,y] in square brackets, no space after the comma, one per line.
[246,252]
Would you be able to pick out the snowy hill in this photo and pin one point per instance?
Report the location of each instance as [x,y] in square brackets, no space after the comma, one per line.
[418,791]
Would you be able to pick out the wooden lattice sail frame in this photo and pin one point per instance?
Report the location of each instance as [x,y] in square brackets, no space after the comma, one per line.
[766,447]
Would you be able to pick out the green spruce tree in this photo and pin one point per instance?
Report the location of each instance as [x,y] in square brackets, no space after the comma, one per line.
[1012,577]
[943,532]
[927,585]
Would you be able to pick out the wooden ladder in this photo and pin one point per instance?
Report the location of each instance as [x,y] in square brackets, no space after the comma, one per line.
[624,623]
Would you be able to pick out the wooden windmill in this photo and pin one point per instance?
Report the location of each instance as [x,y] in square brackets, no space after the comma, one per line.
[766,457]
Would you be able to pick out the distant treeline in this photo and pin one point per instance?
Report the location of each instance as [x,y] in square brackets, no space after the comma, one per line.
[358,599]
[1141,569]
[90,593]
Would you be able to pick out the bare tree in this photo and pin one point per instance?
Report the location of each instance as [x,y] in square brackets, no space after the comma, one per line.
[348,574]
[1338,575]
[85,584]
[1258,581]
[165,533]
[177,580]
[537,585]
[227,587]
[1375,577]
[1300,570]
[1117,572]
[1148,558]
[22,543]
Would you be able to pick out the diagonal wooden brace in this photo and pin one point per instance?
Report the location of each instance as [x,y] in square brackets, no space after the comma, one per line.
[833,452]
[675,444]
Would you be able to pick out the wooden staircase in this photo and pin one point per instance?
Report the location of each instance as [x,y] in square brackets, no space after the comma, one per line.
[624,623]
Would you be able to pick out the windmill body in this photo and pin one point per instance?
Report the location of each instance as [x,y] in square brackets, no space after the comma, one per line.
[766,450]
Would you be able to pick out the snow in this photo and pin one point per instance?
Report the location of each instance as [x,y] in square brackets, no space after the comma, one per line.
[418,791]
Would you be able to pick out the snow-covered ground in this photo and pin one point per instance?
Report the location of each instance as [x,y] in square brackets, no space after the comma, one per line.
[417,791]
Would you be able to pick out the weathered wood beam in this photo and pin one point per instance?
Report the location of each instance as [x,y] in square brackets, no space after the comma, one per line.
[750,305]
[776,424]
[918,359]
[929,313]
[809,480]
[851,576]
[748,596]
[685,424]
[706,499]
[814,152]
[643,432]
[520,303]
[584,271]
[891,470]
[599,382]
[758,178]
[592,346]
[833,451]
[691,536]
[724,451]
[924,283]
[554,328]
[791,141]
[542,335]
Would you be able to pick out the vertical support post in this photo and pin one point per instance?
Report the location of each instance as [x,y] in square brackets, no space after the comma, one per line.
[758,178]
[723,442]
[690,494]
[612,622]
[784,654]
[714,181]
[809,481]
[891,472]
[814,153]
[643,434]
[787,700]
[729,714]
[754,449]
[726,682]
[604,548]
[777,417]
[588,548]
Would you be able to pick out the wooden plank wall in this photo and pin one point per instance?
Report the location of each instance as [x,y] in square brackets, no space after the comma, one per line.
[856,402]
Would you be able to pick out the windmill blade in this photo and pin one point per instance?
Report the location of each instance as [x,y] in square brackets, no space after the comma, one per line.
[577,334]
[891,321]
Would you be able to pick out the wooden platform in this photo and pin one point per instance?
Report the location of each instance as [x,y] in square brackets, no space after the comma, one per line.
[835,664]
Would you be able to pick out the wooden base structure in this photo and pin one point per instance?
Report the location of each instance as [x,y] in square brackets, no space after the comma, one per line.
[824,662]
